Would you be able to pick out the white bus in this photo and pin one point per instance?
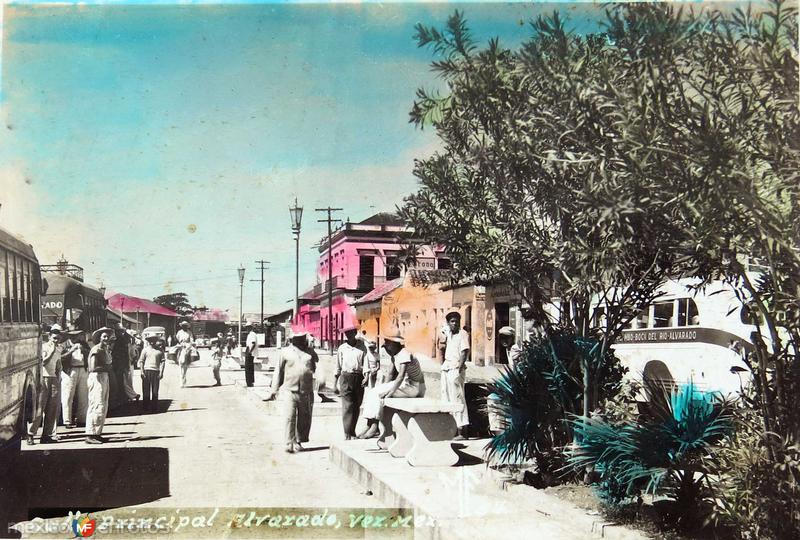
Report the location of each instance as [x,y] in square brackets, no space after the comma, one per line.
[691,335]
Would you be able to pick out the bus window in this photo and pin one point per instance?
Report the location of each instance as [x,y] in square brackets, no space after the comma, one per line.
[36,281]
[27,316]
[662,314]
[687,312]
[643,318]
[14,283]
[4,301]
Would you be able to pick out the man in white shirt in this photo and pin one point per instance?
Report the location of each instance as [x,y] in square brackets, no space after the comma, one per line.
[50,396]
[251,344]
[454,349]
[185,341]
[350,359]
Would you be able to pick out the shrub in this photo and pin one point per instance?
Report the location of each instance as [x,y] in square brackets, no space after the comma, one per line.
[665,453]
[537,398]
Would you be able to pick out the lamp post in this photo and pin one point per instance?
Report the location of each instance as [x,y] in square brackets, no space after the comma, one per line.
[296,213]
[241,290]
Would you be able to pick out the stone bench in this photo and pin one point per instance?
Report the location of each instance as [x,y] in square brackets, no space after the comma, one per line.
[420,430]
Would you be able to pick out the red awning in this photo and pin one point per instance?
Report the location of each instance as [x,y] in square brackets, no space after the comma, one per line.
[130,304]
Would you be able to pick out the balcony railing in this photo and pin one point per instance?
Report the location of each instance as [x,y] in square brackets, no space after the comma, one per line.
[367,283]
[338,283]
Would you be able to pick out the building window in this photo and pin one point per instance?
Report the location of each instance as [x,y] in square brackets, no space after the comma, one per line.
[392,268]
[443,264]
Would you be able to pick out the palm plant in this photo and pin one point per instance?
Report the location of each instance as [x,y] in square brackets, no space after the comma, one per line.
[536,399]
[667,452]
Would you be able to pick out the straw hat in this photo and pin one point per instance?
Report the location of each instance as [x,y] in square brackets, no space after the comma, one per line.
[397,338]
[100,331]
[507,331]
[56,329]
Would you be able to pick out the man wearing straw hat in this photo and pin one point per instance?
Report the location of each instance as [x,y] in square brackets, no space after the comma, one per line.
[50,403]
[99,366]
[409,383]
[294,379]
[350,360]
[151,363]
[186,343]
[73,374]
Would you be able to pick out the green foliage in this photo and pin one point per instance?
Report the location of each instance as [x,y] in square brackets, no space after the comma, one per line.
[177,302]
[665,453]
[756,497]
[536,399]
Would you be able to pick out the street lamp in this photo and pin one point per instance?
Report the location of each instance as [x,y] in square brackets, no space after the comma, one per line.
[241,289]
[296,213]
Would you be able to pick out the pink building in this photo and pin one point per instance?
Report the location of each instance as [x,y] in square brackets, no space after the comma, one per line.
[363,256]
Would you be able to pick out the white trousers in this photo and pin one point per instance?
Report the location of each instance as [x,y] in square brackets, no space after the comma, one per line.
[453,392]
[71,385]
[127,382]
[373,404]
[98,403]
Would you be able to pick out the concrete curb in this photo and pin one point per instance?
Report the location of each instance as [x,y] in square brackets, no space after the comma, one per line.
[468,528]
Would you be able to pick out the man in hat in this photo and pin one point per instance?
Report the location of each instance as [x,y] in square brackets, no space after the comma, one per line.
[350,359]
[50,402]
[121,363]
[151,363]
[508,337]
[454,350]
[408,383]
[185,342]
[99,366]
[73,375]
[217,352]
[294,380]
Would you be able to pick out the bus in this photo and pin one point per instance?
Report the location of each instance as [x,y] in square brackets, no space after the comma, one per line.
[20,340]
[71,303]
[691,335]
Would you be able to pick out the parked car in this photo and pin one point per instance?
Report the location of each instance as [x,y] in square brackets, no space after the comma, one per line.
[202,341]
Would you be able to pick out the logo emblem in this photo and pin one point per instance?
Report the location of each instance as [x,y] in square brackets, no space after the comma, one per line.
[83,526]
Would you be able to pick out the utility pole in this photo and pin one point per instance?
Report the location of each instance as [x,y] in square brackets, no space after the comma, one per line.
[262,268]
[329,220]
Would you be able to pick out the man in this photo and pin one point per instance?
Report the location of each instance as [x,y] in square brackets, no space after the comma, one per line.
[151,363]
[294,379]
[454,350]
[99,366]
[217,352]
[185,341]
[229,341]
[249,357]
[508,338]
[408,383]
[50,403]
[121,363]
[73,374]
[351,356]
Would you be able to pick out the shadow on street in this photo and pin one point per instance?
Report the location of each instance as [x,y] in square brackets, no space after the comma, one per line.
[51,482]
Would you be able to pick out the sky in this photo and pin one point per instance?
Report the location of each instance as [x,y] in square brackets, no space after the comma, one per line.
[160,146]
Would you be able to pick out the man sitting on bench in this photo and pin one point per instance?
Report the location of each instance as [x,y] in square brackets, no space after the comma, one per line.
[409,383]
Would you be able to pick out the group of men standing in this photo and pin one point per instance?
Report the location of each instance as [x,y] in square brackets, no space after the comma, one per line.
[68,364]
[358,365]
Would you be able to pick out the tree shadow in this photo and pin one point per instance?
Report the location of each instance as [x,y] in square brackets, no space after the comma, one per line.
[51,482]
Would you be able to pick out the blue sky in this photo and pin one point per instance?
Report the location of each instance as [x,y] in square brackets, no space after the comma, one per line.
[160,146]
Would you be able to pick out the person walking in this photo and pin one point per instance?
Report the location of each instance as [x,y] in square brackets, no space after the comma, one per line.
[99,366]
[250,356]
[454,350]
[50,402]
[73,373]
[185,342]
[217,352]
[349,377]
[408,383]
[229,342]
[294,381]
[151,363]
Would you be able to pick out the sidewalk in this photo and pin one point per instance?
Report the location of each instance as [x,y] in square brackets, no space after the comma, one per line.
[467,501]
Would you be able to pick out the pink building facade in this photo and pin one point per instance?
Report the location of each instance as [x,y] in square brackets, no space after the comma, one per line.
[363,256]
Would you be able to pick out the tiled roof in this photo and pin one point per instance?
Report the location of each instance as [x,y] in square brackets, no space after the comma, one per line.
[379,292]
